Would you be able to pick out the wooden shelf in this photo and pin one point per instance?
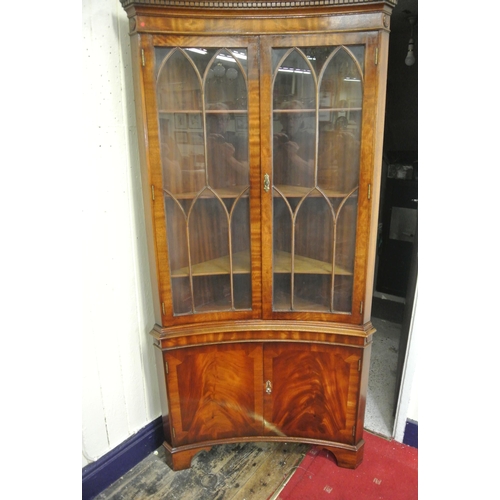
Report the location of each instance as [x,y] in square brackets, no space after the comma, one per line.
[220,306]
[281,302]
[200,111]
[304,265]
[288,192]
[227,192]
[241,265]
[313,110]
[340,110]
[299,192]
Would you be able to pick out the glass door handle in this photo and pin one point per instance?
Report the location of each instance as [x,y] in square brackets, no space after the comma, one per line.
[267,183]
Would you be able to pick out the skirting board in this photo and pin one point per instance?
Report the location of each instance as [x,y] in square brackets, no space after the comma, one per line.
[411,433]
[97,476]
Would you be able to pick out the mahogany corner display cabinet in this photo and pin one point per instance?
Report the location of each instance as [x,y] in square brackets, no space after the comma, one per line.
[260,137]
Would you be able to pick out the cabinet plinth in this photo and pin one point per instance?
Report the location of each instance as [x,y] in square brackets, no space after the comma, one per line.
[260,137]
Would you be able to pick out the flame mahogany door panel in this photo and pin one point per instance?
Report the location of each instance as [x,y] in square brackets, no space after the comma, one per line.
[312,390]
[215,392]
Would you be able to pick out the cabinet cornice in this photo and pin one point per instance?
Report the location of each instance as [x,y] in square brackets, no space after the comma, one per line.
[249,5]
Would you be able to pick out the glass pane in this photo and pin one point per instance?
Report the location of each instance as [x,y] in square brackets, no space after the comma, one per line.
[240,215]
[226,81]
[227,122]
[317,93]
[313,254]
[161,56]
[282,253]
[178,83]
[317,56]
[358,51]
[201,57]
[294,131]
[208,241]
[344,259]
[341,97]
[203,133]
[178,255]
[227,147]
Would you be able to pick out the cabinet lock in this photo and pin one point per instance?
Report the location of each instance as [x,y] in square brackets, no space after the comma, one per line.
[267,183]
[269,387]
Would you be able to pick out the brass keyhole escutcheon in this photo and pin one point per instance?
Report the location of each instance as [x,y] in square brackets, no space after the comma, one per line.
[269,387]
[267,183]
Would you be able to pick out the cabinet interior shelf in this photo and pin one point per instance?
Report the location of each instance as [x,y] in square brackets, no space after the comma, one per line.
[226,192]
[288,192]
[241,265]
[300,191]
[304,265]
[313,110]
[281,302]
[245,111]
[199,111]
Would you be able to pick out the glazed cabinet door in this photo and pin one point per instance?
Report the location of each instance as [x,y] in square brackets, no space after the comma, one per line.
[214,392]
[311,391]
[316,171]
[203,152]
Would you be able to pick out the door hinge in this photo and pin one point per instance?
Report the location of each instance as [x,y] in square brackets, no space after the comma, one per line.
[153,192]
[353,431]
[173,431]
[376,56]
[369,191]
[361,308]
[359,365]
[166,367]
[163,308]
[143,58]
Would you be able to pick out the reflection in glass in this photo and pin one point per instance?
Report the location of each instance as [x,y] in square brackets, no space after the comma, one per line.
[227,131]
[294,102]
[203,132]
[227,147]
[317,106]
[340,103]
[178,85]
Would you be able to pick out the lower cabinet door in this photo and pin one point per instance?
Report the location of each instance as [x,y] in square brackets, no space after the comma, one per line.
[311,390]
[215,392]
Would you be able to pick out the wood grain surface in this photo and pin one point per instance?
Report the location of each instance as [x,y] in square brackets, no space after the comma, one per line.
[314,390]
[221,392]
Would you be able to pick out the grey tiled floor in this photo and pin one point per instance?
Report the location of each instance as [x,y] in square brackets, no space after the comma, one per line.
[380,403]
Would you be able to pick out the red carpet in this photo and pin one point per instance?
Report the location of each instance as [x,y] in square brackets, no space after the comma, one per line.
[389,471]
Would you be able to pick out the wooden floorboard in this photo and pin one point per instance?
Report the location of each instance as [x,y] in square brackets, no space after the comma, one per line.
[247,471]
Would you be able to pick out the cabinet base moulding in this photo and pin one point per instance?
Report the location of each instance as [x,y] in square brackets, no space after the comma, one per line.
[348,457]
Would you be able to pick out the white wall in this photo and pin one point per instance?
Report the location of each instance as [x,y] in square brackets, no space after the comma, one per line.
[119,379]
[119,382]
[407,406]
